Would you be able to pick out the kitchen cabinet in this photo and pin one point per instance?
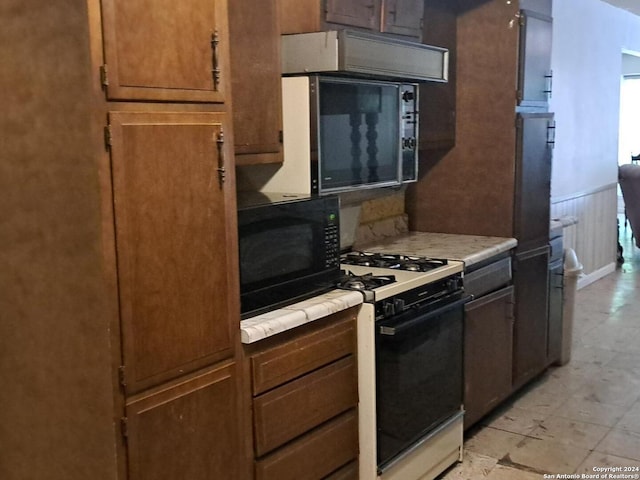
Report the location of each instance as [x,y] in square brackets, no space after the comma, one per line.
[134,221]
[396,17]
[530,280]
[534,140]
[170,202]
[438,100]
[534,67]
[167,51]
[186,429]
[495,180]
[254,30]
[303,397]
[488,340]
[403,17]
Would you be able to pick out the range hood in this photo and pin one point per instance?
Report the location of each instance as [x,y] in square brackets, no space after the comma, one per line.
[364,54]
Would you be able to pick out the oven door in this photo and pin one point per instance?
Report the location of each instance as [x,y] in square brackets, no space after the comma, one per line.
[419,380]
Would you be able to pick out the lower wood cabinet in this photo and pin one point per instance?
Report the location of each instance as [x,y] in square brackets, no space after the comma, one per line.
[488,339]
[316,454]
[303,399]
[187,429]
[530,279]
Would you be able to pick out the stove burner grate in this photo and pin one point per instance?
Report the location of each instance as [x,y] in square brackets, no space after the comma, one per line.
[399,262]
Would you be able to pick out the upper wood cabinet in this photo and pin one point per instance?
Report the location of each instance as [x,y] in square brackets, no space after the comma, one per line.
[403,17]
[355,13]
[534,66]
[165,50]
[254,29]
[398,17]
[173,216]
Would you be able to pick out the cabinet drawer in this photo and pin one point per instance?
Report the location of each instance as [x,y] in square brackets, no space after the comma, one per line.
[297,357]
[289,411]
[317,454]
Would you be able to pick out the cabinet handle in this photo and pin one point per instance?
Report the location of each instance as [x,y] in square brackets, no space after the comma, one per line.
[549,78]
[215,40]
[551,134]
[222,173]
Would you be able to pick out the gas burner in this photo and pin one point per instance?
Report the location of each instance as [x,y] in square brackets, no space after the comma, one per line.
[399,262]
[364,282]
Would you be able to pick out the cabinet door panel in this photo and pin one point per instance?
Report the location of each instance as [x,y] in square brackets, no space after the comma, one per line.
[177,297]
[533,180]
[403,17]
[530,279]
[488,341]
[534,75]
[187,431]
[256,84]
[163,50]
[357,13]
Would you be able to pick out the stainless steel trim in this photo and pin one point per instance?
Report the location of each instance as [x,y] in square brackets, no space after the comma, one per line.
[363,53]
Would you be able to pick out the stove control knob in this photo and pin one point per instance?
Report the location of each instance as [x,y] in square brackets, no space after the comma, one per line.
[388,309]
[408,95]
[398,304]
[453,284]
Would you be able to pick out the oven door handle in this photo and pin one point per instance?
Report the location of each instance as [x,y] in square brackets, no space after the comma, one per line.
[397,329]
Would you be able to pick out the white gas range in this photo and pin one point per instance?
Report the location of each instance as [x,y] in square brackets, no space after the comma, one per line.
[409,335]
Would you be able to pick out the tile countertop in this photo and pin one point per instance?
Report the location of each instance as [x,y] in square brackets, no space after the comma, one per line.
[470,249]
[271,323]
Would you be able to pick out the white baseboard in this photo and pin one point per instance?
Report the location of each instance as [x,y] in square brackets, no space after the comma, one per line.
[585,280]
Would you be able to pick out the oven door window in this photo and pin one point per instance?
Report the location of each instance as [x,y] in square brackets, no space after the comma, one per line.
[358,134]
[418,376]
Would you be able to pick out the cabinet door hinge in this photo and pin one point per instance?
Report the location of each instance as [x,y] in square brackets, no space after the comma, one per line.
[104,77]
[280,136]
[522,18]
[124,429]
[107,137]
[121,376]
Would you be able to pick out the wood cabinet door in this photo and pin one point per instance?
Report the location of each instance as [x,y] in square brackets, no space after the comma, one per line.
[403,17]
[530,277]
[256,85]
[166,50]
[534,65]
[488,343]
[186,431]
[175,230]
[355,13]
[533,179]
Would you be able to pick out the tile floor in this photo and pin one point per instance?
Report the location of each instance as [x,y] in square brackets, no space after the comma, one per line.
[580,416]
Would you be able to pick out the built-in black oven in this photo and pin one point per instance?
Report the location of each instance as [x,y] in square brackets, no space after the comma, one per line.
[419,369]
[289,248]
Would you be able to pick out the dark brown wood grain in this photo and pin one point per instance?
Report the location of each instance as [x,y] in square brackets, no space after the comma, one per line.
[254,29]
[282,363]
[161,50]
[289,411]
[177,304]
[315,455]
[403,17]
[187,429]
[488,339]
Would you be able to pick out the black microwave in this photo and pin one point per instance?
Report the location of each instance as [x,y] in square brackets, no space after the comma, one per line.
[289,248]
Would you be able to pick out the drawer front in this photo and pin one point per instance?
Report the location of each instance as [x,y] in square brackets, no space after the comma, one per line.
[291,410]
[297,357]
[317,454]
